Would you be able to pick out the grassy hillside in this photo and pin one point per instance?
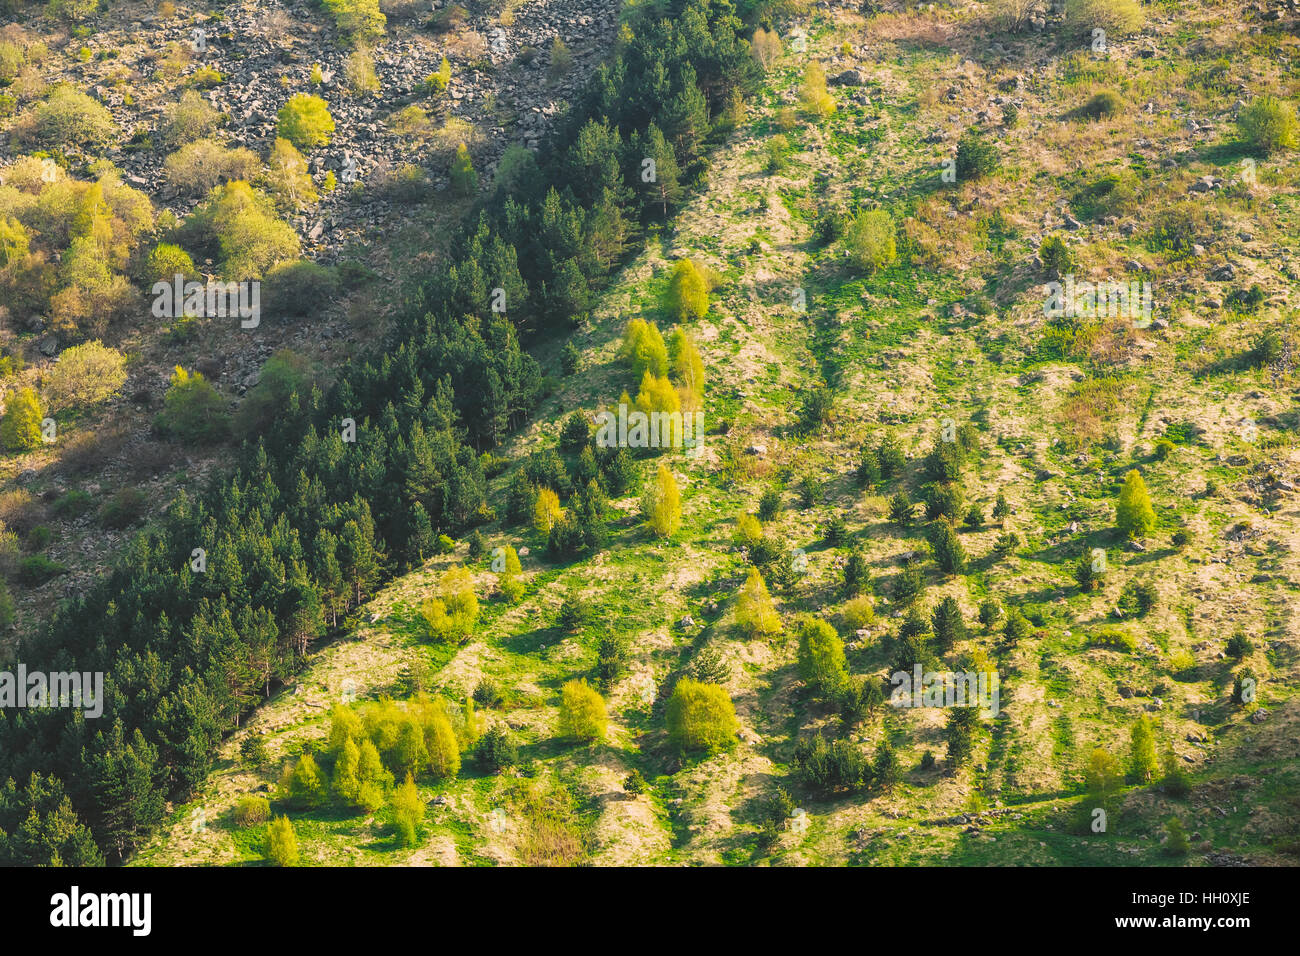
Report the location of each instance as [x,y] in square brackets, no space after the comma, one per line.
[1200,402]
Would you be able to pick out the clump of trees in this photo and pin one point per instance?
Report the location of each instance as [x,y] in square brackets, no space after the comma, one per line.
[310,523]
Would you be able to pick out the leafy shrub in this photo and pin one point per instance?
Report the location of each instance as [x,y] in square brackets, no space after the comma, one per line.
[124,508]
[1102,105]
[1114,639]
[359,20]
[1247,300]
[299,288]
[701,717]
[359,73]
[20,428]
[1269,125]
[166,261]
[205,78]
[84,375]
[976,156]
[305,121]
[193,410]
[1116,17]
[451,615]
[436,83]
[189,119]
[200,165]
[1179,227]
[238,226]
[67,117]
[251,811]
[1136,599]
[73,505]
[869,239]
[37,569]
[858,611]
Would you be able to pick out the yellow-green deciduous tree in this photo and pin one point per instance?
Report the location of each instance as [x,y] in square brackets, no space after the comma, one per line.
[870,240]
[546,510]
[582,712]
[453,612]
[813,95]
[643,348]
[1133,512]
[20,429]
[305,121]
[701,717]
[822,664]
[662,504]
[440,740]
[1142,750]
[408,811]
[281,843]
[688,291]
[512,589]
[84,375]
[755,615]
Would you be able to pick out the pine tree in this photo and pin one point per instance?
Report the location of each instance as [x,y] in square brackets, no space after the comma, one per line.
[420,540]
[948,550]
[857,576]
[1001,509]
[960,733]
[665,188]
[1133,513]
[949,627]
